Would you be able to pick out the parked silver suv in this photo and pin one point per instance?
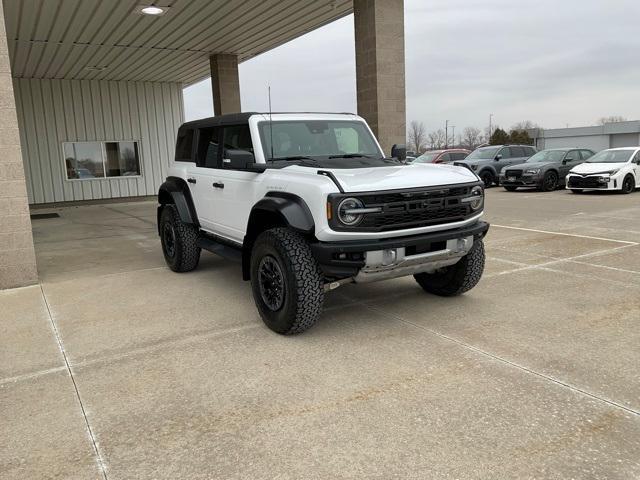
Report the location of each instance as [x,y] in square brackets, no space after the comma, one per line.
[488,162]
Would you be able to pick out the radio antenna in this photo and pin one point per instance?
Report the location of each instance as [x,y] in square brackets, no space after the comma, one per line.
[270,124]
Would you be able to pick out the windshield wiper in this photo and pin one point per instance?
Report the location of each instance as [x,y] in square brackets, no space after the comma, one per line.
[292,157]
[350,155]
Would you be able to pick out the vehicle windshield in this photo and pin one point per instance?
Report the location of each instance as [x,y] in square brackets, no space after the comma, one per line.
[548,156]
[483,153]
[611,156]
[426,157]
[317,139]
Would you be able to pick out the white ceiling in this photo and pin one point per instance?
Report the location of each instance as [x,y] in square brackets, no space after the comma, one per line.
[70,38]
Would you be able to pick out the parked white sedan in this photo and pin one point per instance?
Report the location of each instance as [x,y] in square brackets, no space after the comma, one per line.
[613,169]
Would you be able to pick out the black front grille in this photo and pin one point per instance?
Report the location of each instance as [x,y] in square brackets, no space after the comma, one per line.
[411,208]
[513,173]
[585,182]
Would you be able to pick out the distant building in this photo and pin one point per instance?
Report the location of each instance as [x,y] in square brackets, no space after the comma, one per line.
[611,135]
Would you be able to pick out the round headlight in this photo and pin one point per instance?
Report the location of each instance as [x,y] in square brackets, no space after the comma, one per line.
[345,213]
[477,198]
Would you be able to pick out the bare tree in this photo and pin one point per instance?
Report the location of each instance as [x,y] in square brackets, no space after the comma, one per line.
[436,139]
[417,137]
[611,119]
[525,125]
[471,137]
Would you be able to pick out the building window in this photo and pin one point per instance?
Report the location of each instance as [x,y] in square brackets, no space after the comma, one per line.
[94,160]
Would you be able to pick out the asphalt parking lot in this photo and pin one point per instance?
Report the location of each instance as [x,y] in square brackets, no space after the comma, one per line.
[533,374]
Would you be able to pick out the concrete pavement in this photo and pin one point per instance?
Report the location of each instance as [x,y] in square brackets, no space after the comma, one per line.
[115,367]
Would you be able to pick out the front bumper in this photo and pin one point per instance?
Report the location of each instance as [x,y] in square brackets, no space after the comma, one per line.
[522,181]
[593,182]
[371,260]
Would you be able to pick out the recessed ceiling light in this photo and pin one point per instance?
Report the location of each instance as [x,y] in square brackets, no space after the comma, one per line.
[152,10]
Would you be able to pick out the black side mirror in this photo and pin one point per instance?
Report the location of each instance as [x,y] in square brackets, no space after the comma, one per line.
[399,151]
[237,159]
[498,157]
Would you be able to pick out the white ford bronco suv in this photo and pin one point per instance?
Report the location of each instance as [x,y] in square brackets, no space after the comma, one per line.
[308,202]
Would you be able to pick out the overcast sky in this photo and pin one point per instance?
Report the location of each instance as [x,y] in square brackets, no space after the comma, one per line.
[553,62]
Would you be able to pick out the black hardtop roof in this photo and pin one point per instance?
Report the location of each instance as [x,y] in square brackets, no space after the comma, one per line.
[239,118]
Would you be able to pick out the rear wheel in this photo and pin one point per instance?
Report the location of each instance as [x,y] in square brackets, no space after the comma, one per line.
[628,184]
[510,189]
[287,284]
[549,182]
[487,178]
[457,278]
[179,241]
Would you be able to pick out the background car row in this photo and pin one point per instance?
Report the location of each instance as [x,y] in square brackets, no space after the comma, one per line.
[514,166]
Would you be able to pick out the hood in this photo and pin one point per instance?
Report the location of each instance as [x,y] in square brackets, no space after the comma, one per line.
[588,168]
[401,176]
[531,166]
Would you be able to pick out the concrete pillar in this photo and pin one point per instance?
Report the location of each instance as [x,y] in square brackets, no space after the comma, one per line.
[225,83]
[17,257]
[379,35]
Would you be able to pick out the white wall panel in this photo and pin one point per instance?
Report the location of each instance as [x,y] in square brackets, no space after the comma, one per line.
[51,112]
[594,142]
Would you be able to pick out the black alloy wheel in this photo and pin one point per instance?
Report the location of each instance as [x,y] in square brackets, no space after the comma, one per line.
[628,184]
[549,182]
[169,240]
[271,283]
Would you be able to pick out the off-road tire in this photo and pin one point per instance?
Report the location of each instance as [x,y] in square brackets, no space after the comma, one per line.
[510,189]
[457,278]
[303,281]
[487,178]
[185,254]
[549,182]
[628,184]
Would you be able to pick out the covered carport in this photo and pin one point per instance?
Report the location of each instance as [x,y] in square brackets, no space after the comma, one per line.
[91,91]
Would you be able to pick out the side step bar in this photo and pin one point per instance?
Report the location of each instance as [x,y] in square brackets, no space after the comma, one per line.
[225,250]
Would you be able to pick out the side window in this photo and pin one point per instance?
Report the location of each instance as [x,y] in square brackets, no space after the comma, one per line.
[505,152]
[636,159]
[586,154]
[517,152]
[208,147]
[237,143]
[529,151]
[445,157]
[184,145]
[458,156]
[572,156]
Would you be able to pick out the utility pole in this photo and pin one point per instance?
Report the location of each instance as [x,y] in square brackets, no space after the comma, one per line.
[490,117]
[446,134]
[453,136]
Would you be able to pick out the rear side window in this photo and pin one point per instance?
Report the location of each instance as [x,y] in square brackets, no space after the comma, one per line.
[459,156]
[208,147]
[517,152]
[184,145]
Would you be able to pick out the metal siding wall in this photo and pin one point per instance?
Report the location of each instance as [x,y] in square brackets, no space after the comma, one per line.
[594,142]
[54,111]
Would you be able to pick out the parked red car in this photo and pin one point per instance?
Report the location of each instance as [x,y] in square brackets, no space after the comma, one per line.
[443,156]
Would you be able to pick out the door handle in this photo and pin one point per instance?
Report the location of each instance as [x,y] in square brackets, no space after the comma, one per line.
[191,180]
[218,185]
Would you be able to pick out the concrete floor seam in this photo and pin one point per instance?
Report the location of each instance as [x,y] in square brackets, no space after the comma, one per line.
[506,362]
[99,459]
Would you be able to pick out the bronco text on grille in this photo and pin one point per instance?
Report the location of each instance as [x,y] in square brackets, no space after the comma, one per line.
[404,209]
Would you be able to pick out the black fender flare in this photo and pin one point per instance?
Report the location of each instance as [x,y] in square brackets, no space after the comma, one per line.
[275,209]
[176,191]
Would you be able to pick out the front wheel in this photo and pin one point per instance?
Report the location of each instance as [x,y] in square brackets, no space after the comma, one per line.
[487,178]
[628,184]
[549,182]
[457,278]
[286,281]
